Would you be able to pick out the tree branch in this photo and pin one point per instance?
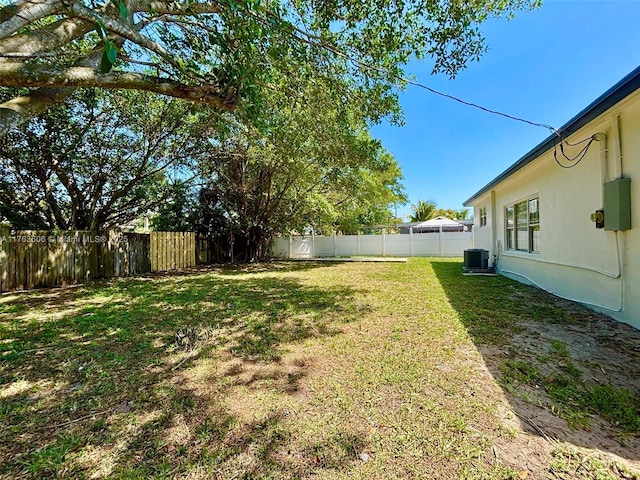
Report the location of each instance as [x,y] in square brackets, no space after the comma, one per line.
[174,8]
[157,66]
[21,75]
[20,109]
[23,13]
[123,30]
[46,38]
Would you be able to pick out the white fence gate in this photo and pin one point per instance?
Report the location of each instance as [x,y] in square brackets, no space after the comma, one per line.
[439,244]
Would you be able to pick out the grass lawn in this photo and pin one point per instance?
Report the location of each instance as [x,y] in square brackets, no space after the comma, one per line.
[294,370]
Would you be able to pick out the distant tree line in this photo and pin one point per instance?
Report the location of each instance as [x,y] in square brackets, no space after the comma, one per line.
[426,210]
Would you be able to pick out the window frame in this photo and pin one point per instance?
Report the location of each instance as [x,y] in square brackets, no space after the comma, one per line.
[522,221]
[483,216]
[510,233]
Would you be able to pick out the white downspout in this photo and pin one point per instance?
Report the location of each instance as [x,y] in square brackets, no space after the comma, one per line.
[621,236]
[495,248]
[604,160]
[617,145]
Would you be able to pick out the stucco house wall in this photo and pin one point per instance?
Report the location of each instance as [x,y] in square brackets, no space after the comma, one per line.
[595,267]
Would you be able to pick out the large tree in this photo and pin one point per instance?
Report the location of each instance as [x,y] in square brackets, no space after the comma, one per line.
[304,160]
[260,194]
[219,52]
[96,161]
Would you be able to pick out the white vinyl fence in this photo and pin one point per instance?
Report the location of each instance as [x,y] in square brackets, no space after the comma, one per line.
[439,244]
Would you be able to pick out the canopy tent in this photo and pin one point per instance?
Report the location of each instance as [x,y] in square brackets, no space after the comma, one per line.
[439,224]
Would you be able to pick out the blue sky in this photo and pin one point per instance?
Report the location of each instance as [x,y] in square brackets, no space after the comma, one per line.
[545,66]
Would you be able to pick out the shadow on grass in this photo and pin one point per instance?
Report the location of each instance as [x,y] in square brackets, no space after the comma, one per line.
[95,380]
[568,372]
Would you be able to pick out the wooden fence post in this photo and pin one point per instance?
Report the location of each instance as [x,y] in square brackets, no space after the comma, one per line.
[5,250]
[171,252]
[162,251]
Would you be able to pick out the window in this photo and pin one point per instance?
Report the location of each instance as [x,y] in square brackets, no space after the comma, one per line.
[483,217]
[522,222]
[510,231]
[534,225]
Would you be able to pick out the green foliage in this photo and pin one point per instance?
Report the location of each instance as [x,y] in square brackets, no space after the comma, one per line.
[559,348]
[422,211]
[174,214]
[519,371]
[444,212]
[48,460]
[98,160]
[186,209]
[462,214]
[109,56]
[122,8]
[225,50]
[618,405]
[299,160]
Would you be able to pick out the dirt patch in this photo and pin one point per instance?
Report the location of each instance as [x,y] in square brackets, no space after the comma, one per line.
[595,350]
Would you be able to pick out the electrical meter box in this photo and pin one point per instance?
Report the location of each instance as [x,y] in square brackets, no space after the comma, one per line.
[617,204]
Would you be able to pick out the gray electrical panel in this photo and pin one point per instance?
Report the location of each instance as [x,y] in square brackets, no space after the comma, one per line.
[617,204]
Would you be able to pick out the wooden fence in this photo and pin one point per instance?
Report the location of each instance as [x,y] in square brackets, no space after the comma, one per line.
[172,250]
[213,249]
[32,259]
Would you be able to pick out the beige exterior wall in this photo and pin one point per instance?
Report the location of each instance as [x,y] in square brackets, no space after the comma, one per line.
[595,267]
[482,235]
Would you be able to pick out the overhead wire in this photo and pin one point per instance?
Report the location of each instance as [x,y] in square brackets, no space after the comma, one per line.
[315,41]
[579,156]
[555,132]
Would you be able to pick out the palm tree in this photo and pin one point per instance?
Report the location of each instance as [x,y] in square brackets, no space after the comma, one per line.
[422,211]
[462,214]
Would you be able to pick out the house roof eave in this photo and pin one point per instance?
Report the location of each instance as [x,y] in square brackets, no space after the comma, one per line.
[625,87]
